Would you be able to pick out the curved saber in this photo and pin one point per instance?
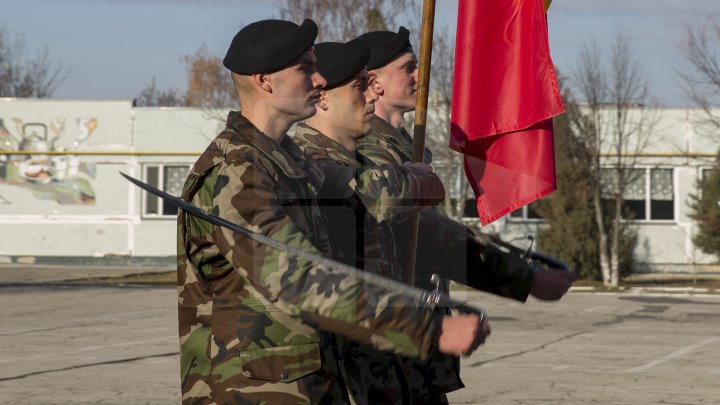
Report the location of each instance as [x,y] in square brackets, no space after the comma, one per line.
[432,298]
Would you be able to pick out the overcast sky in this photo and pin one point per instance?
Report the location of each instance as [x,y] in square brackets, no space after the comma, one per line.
[114,48]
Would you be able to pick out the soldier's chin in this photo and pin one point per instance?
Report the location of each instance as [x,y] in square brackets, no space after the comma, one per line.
[307,113]
[410,103]
[367,128]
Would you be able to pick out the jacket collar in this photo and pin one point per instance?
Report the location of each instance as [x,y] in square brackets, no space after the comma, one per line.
[310,138]
[284,154]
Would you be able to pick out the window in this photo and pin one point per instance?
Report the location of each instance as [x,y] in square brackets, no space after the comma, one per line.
[662,201]
[634,198]
[526,213]
[168,178]
[470,210]
[649,193]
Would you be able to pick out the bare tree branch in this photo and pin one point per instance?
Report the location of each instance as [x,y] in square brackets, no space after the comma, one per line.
[342,20]
[23,76]
[701,75]
[614,121]
[152,96]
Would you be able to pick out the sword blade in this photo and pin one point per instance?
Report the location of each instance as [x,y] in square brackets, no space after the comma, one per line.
[435,298]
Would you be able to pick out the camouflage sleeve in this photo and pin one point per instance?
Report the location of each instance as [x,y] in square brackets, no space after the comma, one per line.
[247,194]
[380,152]
[450,249]
[387,193]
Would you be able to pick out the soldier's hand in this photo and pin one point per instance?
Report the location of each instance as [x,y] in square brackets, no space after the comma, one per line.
[462,334]
[420,166]
[551,285]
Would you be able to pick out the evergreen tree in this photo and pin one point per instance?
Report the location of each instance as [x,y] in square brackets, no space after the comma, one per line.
[571,233]
[705,210]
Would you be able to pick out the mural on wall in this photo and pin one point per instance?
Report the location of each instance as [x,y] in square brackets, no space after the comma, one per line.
[60,176]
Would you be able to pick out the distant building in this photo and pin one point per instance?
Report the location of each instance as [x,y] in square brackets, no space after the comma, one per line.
[62,199]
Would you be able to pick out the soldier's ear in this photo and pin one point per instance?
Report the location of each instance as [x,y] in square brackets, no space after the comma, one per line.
[262,80]
[323,103]
[375,84]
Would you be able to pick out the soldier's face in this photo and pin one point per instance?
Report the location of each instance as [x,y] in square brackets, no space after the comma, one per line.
[352,106]
[296,89]
[399,80]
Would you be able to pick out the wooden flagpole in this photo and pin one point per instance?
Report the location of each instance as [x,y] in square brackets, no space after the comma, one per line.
[421,103]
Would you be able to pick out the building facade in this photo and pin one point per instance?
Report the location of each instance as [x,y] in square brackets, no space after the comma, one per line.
[62,199]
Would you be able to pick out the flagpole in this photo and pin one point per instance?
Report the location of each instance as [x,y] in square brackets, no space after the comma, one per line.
[421,103]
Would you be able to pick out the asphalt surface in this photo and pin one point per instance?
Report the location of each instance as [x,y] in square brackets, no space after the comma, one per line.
[68,343]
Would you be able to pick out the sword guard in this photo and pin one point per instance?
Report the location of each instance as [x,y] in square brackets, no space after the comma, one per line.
[528,253]
[434,297]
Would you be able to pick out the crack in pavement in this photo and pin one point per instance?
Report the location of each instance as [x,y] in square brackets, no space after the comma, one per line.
[34,373]
[92,321]
[516,354]
[73,285]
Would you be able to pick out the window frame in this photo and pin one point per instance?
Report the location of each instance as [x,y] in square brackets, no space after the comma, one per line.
[524,216]
[160,166]
[648,195]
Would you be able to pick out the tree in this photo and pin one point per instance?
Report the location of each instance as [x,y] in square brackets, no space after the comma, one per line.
[705,210]
[571,232]
[569,211]
[343,20]
[701,76]
[25,76]
[209,87]
[614,124]
[209,83]
[152,96]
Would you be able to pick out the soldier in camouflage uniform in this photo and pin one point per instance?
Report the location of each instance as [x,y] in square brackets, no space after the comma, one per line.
[349,200]
[250,317]
[444,246]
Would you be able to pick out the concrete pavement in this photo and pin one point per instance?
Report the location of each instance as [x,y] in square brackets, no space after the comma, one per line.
[64,343]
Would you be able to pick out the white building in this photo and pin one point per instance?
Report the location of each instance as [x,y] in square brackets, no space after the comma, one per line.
[62,198]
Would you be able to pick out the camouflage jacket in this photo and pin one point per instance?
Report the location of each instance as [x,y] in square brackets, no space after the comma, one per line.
[447,248]
[385,145]
[250,317]
[352,190]
[362,196]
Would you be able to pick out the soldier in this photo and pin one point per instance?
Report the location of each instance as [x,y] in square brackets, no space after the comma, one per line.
[358,198]
[444,246]
[251,319]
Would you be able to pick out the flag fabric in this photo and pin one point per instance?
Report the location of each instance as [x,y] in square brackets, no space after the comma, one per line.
[505,94]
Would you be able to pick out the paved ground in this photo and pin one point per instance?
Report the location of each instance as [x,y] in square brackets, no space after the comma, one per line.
[62,343]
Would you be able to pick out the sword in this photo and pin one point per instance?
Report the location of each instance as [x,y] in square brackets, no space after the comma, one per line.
[432,298]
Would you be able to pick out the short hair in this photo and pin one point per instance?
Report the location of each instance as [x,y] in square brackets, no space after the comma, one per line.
[242,85]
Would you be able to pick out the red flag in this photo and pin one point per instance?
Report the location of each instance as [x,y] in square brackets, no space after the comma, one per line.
[505,94]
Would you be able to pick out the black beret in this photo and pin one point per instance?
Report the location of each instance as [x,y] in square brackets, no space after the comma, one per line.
[269,45]
[338,62]
[385,46]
